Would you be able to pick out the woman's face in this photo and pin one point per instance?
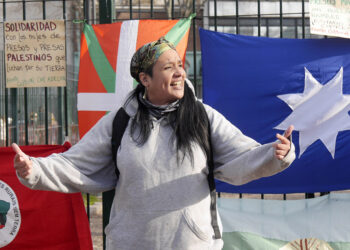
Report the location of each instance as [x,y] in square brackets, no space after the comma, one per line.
[167,83]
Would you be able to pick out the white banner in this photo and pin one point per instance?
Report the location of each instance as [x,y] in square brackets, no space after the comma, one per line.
[330,17]
[323,222]
[35,53]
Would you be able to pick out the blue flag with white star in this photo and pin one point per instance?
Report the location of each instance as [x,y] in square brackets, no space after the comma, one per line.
[263,85]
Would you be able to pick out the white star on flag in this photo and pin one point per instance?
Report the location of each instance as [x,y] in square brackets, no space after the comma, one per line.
[320,112]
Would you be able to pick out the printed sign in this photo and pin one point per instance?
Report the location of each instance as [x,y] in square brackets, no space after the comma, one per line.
[10,217]
[35,53]
[330,17]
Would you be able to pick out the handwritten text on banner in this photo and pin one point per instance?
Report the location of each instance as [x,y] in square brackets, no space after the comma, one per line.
[35,53]
[330,17]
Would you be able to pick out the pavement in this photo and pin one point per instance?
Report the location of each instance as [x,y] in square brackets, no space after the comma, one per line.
[96,225]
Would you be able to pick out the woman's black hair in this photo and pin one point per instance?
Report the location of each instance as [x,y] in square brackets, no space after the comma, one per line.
[188,121]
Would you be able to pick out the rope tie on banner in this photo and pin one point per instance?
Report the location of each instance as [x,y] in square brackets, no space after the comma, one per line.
[84,21]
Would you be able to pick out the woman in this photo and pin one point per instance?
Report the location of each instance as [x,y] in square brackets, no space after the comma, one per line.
[162,196]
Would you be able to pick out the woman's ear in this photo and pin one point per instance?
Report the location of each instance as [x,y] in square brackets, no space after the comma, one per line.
[144,79]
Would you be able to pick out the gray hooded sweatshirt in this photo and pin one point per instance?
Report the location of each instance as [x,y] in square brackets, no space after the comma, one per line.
[160,203]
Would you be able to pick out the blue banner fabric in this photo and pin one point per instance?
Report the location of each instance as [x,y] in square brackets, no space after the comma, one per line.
[262,85]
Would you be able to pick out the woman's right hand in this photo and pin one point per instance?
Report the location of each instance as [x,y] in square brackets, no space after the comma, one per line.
[22,163]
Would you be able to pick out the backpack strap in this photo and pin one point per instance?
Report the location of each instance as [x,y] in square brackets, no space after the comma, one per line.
[211,181]
[120,123]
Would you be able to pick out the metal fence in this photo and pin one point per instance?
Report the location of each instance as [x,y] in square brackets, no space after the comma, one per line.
[48,115]
[30,116]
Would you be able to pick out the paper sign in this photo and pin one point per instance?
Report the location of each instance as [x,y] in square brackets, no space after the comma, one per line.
[35,53]
[330,17]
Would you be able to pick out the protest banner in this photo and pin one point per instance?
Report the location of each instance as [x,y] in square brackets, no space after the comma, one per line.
[35,53]
[36,219]
[330,17]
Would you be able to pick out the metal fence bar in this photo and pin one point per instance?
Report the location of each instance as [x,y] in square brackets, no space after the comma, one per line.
[86,10]
[267,28]
[309,195]
[303,18]
[7,139]
[46,118]
[86,17]
[25,89]
[237,17]
[46,94]
[26,115]
[215,15]
[259,19]
[130,6]
[88,205]
[281,19]
[108,196]
[194,46]
[65,88]
[14,94]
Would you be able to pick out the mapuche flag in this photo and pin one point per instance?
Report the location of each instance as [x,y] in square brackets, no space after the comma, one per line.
[262,85]
[39,220]
[105,55]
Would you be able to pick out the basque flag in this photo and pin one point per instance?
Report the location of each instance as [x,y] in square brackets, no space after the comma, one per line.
[262,85]
[105,55]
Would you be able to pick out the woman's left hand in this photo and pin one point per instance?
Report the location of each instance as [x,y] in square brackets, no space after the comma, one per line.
[282,148]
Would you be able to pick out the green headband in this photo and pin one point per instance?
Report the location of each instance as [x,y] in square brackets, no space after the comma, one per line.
[147,55]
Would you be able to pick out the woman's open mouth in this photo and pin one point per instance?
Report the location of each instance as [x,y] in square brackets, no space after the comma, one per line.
[178,83]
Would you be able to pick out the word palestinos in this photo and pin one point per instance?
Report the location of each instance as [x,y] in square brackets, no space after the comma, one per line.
[28,57]
[30,26]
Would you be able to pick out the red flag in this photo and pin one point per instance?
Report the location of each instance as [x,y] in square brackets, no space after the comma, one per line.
[40,220]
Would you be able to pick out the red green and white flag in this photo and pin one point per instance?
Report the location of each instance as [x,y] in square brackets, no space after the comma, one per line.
[321,223]
[105,55]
